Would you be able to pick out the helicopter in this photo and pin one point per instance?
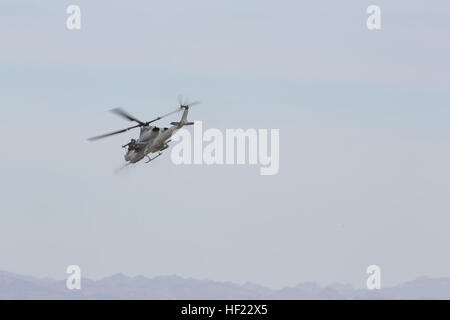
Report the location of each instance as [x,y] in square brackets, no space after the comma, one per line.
[152,139]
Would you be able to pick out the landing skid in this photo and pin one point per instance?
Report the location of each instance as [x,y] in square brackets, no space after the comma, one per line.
[151,159]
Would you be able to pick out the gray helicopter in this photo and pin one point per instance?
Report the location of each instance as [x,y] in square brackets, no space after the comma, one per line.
[151,139]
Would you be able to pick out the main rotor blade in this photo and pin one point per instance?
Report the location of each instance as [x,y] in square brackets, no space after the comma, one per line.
[163,116]
[113,133]
[171,112]
[126,115]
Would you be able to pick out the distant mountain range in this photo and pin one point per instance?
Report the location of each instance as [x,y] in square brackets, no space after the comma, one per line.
[119,286]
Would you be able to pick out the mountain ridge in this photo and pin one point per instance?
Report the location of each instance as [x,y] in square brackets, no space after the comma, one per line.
[120,286]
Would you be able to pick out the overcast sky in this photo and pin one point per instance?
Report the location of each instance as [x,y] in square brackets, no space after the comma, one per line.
[364,140]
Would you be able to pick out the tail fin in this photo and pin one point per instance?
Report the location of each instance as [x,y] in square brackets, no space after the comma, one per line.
[182,123]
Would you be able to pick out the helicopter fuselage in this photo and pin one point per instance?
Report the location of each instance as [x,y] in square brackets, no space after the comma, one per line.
[151,139]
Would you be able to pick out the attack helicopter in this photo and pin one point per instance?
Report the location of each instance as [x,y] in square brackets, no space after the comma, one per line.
[152,139]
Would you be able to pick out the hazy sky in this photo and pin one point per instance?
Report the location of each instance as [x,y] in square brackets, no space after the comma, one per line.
[364,133]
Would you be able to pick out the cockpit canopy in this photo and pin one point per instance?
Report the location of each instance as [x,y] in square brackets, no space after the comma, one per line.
[132,144]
